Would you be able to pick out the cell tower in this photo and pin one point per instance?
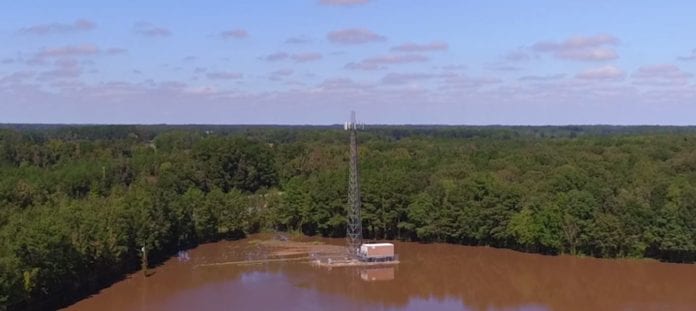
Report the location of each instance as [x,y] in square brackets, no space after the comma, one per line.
[354,220]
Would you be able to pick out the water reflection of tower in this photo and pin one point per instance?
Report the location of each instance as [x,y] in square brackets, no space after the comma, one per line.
[354,220]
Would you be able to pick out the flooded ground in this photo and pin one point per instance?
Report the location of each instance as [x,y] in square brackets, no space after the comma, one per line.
[429,277]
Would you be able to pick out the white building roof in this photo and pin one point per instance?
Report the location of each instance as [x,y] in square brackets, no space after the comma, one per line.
[378,244]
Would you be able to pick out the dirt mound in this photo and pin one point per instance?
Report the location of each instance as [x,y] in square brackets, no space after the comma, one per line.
[294,248]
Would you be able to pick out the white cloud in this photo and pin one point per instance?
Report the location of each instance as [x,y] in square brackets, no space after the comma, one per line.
[403,78]
[306,57]
[380,62]
[689,57]
[581,48]
[517,56]
[279,75]
[277,56]
[535,78]
[303,57]
[608,72]
[661,75]
[69,50]
[460,81]
[421,47]
[298,40]
[234,34]
[59,28]
[150,30]
[224,75]
[353,36]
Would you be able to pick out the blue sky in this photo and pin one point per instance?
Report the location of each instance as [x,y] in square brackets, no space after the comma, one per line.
[312,61]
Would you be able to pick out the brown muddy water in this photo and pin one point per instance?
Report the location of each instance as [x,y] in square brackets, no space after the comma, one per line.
[429,277]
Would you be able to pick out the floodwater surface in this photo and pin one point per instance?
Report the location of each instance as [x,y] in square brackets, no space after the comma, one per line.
[429,277]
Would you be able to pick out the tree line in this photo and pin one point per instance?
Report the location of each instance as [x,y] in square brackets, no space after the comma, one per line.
[77,203]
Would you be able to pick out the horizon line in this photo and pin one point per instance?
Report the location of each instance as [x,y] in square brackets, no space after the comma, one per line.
[341,124]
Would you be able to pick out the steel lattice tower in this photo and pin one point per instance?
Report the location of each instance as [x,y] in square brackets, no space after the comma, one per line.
[354,220]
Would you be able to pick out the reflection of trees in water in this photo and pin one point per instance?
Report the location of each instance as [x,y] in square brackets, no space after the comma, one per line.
[485,279]
[480,278]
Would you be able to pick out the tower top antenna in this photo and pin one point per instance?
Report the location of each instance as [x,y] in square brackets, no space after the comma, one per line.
[353,125]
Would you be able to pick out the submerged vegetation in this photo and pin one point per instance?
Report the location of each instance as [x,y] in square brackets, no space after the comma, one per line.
[78,203]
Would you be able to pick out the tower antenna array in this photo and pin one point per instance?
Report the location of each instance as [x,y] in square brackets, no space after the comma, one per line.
[354,220]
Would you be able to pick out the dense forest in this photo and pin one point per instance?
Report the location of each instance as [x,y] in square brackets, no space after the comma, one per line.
[78,202]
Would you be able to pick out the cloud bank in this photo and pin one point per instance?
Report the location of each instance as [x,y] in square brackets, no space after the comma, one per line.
[150,30]
[79,25]
[581,48]
[353,36]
